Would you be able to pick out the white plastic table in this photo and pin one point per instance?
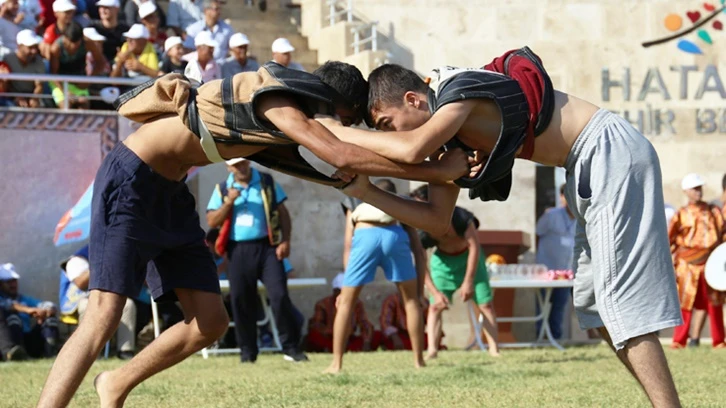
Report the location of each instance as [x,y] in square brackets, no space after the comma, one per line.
[544,310]
[292,284]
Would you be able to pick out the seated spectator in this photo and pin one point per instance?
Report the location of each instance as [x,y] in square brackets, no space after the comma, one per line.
[132,16]
[238,62]
[110,27]
[68,57]
[320,326]
[181,14]
[212,23]
[137,56]
[9,351]
[63,11]
[204,56]
[32,323]
[90,34]
[173,61]
[28,14]
[393,323]
[9,28]
[282,54]
[75,275]
[149,15]
[26,61]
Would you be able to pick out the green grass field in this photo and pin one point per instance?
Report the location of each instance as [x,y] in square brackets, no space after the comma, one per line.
[578,377]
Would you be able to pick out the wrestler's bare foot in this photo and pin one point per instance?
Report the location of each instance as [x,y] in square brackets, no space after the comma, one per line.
[109,396]
[419,363]
[494,353]
[332,369]
[431,355]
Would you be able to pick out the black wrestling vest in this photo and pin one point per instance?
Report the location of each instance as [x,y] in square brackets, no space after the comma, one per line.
[494,180]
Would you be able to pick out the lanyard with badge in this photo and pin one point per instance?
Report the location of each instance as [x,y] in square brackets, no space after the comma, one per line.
[244,219]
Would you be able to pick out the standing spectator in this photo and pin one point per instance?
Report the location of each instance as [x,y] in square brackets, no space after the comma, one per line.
[204,56]
[457,264]
[149,15]
[68,57]
[219,30]
[110,27]
[75,275]
[320,326]
[181,14]
[28,14]
[26,61]
[239,61]
[137,56]
[374,239]
[9,28]
[252,206]
[694,232]
[173,60]
[32,323]
[63,11]
[555,248]
[282,54]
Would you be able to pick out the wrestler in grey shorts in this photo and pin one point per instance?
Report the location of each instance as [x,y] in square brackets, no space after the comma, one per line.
[624,277]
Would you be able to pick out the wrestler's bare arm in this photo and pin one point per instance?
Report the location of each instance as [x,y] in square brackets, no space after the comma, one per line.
[288,118]
[433,216]
[412,146]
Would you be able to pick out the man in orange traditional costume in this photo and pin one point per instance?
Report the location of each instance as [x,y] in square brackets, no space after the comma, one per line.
[695,231]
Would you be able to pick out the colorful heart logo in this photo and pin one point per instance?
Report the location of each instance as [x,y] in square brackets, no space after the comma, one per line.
[693,16]
[717,25]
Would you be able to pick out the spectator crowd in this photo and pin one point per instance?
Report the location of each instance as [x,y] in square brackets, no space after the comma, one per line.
[117,38]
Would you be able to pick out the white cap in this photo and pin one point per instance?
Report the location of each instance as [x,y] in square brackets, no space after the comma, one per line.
[238,40]
[7,271]
[205,38]
[108,3]
[27,38]
[338,281]
[282,45]
[171,42]
[692,180]
[136,32]
[109,94]
[60,6]
[146,9]
[92,34]
[232,162]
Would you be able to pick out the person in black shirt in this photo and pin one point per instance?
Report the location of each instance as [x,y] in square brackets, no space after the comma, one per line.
[110,27]
[172,61]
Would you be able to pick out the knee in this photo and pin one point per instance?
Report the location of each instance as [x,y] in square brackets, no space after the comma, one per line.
[213,326]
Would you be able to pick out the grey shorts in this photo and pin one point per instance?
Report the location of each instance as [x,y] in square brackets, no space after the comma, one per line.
[624,277]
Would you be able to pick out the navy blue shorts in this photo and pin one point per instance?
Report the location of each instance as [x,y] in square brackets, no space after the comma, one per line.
[142,220]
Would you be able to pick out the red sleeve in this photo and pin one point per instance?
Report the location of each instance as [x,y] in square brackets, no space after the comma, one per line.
[49,34]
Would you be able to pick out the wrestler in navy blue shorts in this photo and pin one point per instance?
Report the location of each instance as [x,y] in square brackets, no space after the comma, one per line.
[137,217]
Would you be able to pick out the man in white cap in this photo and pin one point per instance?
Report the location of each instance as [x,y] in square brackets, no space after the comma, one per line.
[695,230]
[32,323]
[173,61]
[249,207]
[137,56]
[64,10]
[213,23]
[320,326]
[25,60]
[282,54]
[149,15]
[204,56]
[238,61]
[8,28]
[110,27]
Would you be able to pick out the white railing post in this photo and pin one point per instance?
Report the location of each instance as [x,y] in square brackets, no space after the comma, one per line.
[356,41]
[374,37]
[332,12]
[65,95]
[350,11]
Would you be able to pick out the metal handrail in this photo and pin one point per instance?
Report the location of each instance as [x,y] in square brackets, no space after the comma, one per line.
[333,13]
[66,79]
[372,39]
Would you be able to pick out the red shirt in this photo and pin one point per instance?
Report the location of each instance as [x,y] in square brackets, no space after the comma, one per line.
[46,13]
[51,34]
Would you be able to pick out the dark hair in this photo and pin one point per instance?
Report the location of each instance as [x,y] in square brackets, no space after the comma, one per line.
[422,193]
[74,32]
[562,189]
[387,185]
[388,83]
[348,81]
